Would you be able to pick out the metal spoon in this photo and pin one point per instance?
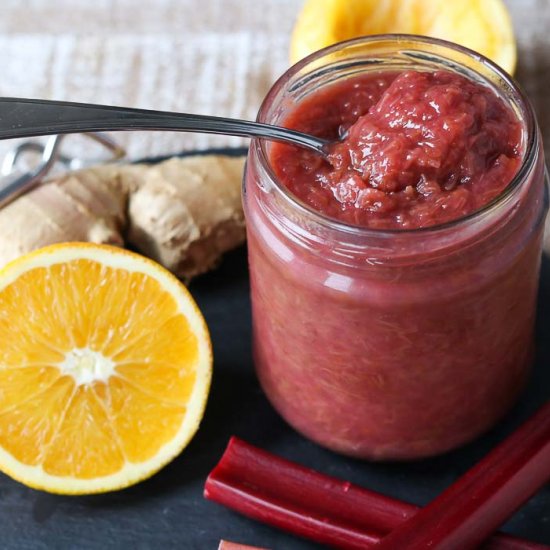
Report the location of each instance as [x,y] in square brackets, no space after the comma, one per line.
[38,117]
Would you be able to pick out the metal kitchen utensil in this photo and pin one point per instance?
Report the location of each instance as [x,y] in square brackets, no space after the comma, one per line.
[17,180]
[21,117]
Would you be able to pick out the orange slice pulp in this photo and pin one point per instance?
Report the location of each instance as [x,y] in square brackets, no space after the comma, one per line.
[105,367]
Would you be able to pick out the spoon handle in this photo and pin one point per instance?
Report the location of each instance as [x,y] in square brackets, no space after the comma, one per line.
[37,117]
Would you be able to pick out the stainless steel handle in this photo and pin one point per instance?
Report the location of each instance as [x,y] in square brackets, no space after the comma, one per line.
[36,117]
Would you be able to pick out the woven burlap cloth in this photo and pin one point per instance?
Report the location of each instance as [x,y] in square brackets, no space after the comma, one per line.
[203,56]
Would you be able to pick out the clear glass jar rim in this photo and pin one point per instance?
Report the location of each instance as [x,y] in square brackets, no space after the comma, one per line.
[528,161]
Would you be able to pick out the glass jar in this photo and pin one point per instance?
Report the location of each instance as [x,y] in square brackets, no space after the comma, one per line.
[393,344]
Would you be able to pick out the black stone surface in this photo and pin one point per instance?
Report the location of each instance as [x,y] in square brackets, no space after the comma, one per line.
[168,510]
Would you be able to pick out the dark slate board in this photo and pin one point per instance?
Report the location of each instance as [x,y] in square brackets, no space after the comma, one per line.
[168,511]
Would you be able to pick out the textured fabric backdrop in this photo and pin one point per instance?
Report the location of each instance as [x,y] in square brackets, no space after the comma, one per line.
[203,56]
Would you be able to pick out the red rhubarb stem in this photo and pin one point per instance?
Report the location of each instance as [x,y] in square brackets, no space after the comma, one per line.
[480,501]
[304,502]
[227,545]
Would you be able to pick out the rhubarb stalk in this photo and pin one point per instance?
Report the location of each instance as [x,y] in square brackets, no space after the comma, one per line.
[476,504]
[227,545]
[304,502]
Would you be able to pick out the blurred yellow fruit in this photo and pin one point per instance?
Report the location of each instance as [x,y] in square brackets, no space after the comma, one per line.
[482,25]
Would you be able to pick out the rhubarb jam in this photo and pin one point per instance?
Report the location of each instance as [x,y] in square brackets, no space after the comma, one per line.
[420,148]
[394,286]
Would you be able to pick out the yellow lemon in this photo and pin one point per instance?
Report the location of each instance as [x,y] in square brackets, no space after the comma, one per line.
[105,367]
[482,25]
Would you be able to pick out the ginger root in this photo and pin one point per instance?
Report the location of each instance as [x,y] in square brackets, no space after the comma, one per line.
[192,206]
[183,212]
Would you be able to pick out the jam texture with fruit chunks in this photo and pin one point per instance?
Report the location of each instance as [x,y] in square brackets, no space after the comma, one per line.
[419,149]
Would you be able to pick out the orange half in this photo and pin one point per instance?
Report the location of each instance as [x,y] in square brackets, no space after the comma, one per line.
[105,367]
